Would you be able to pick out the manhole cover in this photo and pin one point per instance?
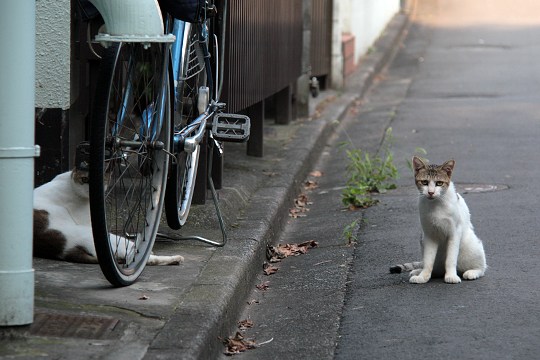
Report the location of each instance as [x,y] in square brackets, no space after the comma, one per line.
[479,188]
[72,326]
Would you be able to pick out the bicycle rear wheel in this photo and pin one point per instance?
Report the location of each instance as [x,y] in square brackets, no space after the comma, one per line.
[183,171]
[130,142]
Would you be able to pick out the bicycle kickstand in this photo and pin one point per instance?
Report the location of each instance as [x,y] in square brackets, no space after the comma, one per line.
[225,127]
[215,199]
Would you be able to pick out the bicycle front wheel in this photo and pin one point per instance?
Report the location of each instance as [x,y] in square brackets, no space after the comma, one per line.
[130,143]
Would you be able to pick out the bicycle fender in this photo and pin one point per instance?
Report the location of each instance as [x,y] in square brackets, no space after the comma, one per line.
[131,20]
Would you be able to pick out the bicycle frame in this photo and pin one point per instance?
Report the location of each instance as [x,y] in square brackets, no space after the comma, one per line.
[188,138]
[142,21]
[182,140]
[123,23]
[150,126]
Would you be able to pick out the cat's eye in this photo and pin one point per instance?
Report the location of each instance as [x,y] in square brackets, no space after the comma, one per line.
[84,179]
[439,183]
[424,182]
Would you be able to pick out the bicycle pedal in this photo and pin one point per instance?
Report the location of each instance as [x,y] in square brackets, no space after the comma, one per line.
[231,127]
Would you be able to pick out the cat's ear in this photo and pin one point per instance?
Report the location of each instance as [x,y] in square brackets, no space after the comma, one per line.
[448,167]
[418,164]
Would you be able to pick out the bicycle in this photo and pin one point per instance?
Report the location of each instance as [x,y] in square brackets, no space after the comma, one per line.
[156,103]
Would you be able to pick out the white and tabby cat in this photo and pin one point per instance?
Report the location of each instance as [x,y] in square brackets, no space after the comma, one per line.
[62,227]
[449,245]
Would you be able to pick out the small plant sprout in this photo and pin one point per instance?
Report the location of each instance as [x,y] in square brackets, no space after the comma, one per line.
[349,233]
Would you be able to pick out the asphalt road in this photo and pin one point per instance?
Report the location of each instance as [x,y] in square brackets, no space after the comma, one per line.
[464,85]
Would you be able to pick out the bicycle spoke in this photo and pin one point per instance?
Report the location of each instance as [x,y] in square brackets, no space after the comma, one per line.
[134,167]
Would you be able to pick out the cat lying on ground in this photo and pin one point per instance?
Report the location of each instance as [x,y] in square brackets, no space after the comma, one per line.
[449,244]
[62,227]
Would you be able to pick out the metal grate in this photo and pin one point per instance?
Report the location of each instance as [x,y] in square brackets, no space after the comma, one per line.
[72,326]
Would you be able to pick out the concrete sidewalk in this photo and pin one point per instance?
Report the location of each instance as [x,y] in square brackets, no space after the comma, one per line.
[179,312]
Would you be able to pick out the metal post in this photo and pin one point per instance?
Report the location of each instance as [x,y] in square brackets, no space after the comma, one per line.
[17,152]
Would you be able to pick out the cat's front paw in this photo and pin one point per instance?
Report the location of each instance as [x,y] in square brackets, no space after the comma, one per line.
[176,260]
[418,279]
[452,279]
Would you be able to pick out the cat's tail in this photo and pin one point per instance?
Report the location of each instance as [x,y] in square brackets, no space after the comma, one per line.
[396,269]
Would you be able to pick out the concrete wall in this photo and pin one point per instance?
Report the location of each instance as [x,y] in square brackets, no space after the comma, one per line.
[53,54]
[58,123]
[366,19]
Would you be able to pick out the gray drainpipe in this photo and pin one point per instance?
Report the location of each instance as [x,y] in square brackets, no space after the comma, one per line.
[17,152]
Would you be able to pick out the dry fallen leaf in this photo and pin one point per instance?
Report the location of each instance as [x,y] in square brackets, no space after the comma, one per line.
[269,269]
[300,206]
[310,185]
[301,200]
[316,173]
[355,108]
[309,244]
[281,251]
[245,324]
[263,286]
[296,213]
[237,344]
[144,297]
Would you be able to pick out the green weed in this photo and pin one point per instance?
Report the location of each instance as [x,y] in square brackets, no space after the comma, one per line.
[369,174]
[419,151]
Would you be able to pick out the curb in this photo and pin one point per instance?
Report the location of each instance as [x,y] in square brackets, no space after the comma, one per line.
[226,280]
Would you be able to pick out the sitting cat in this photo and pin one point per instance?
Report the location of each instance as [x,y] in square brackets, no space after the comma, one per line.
[449,244]
[62,227]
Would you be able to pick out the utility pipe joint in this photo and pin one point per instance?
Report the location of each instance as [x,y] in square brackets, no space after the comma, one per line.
[20,152]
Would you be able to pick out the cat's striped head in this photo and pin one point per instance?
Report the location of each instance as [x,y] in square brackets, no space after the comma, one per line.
[79,183]
[432,180]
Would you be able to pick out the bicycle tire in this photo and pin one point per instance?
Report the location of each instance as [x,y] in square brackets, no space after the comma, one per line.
[183,169]
[130,142]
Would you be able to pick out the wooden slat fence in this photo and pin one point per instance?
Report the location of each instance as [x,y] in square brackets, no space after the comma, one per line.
[264,50]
